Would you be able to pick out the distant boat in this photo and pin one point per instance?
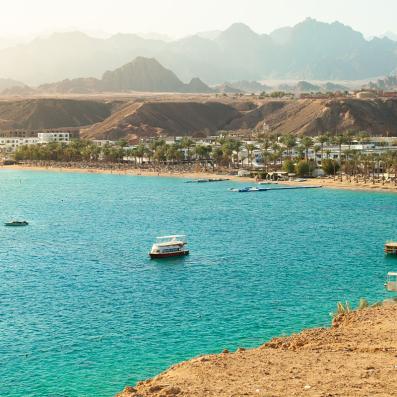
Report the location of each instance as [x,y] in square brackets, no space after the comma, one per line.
[16,223]
[268,189]
[207,180]
[169,246]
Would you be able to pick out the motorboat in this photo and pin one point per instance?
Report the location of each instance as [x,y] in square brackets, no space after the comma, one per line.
[16,223]
[169,246]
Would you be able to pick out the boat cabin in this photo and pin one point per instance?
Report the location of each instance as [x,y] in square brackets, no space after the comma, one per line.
[391,283]
[167,246]
[391,248]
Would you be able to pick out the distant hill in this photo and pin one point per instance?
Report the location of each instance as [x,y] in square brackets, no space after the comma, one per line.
[387,83]
[9,83]
[137,118]
[333,87]
[51,113]
[309,117]
[142,75]
[249,86]
[304,86]
[173,118]
[310,50]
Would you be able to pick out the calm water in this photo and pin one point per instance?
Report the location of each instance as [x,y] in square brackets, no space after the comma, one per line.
[83,311]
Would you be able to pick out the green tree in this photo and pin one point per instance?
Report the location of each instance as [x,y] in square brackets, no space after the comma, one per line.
[330,167]
[289,166]
[303,168]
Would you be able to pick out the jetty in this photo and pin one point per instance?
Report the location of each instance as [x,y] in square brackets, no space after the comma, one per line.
[251,189]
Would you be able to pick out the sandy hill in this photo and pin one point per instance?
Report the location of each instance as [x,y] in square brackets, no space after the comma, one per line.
[51,113]
[309,116]
[174,118]
[108,118]
[357,357]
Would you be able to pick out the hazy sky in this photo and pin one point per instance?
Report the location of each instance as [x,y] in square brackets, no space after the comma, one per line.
[183,17]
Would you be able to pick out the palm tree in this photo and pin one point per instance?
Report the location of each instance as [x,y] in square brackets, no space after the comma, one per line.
[187,143]
[340,140]
[250,148]
[307,143]
[289,141]
[316,149]
[265,146]
[322,139]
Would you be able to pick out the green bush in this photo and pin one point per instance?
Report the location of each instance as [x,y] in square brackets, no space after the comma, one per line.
[303,168]
[330,167]
[289,166]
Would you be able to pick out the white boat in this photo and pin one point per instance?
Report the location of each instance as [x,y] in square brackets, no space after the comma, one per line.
[169,246]
[391,283]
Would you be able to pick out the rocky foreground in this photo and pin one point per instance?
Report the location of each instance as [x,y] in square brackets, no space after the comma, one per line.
[356,357]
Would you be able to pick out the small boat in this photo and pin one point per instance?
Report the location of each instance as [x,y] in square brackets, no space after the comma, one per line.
[169,246]
[391,248]
[391,282]
[16,223]
[242,190]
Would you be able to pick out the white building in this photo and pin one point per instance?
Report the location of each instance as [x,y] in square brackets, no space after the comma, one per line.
[103,142]
[10,144]
[47,137]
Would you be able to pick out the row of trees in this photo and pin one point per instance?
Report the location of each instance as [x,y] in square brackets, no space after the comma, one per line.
[275,150]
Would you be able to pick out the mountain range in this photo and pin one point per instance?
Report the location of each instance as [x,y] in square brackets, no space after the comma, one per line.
[309,50]
[141,75]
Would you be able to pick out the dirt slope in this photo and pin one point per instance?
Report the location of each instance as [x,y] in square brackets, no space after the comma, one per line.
[310,116]
[174,118]
[51,113]
[132,118]
[313,116]
[355,358]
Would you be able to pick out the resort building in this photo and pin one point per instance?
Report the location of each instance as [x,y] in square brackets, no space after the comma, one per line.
[74,133]
[47,137]
[10,144]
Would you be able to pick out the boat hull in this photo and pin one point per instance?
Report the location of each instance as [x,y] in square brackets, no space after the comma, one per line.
[168,254]
[10,224]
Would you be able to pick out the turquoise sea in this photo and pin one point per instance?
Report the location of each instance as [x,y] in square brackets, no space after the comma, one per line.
[84,312]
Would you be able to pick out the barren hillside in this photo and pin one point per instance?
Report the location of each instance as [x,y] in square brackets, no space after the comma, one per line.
[133,117]
[51,113]
[357,357]
[309,116]
[173,118]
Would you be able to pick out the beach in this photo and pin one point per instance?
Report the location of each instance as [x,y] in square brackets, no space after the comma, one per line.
[330,183]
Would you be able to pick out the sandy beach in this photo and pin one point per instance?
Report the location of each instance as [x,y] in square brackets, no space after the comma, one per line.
[324,182]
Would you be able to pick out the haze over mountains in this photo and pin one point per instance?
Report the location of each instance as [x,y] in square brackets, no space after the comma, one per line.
[309,50]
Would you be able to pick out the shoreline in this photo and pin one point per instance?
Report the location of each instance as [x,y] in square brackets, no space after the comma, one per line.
[313,362]
[324,182]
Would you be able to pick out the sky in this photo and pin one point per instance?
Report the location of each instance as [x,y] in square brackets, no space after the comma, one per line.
[178,18]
